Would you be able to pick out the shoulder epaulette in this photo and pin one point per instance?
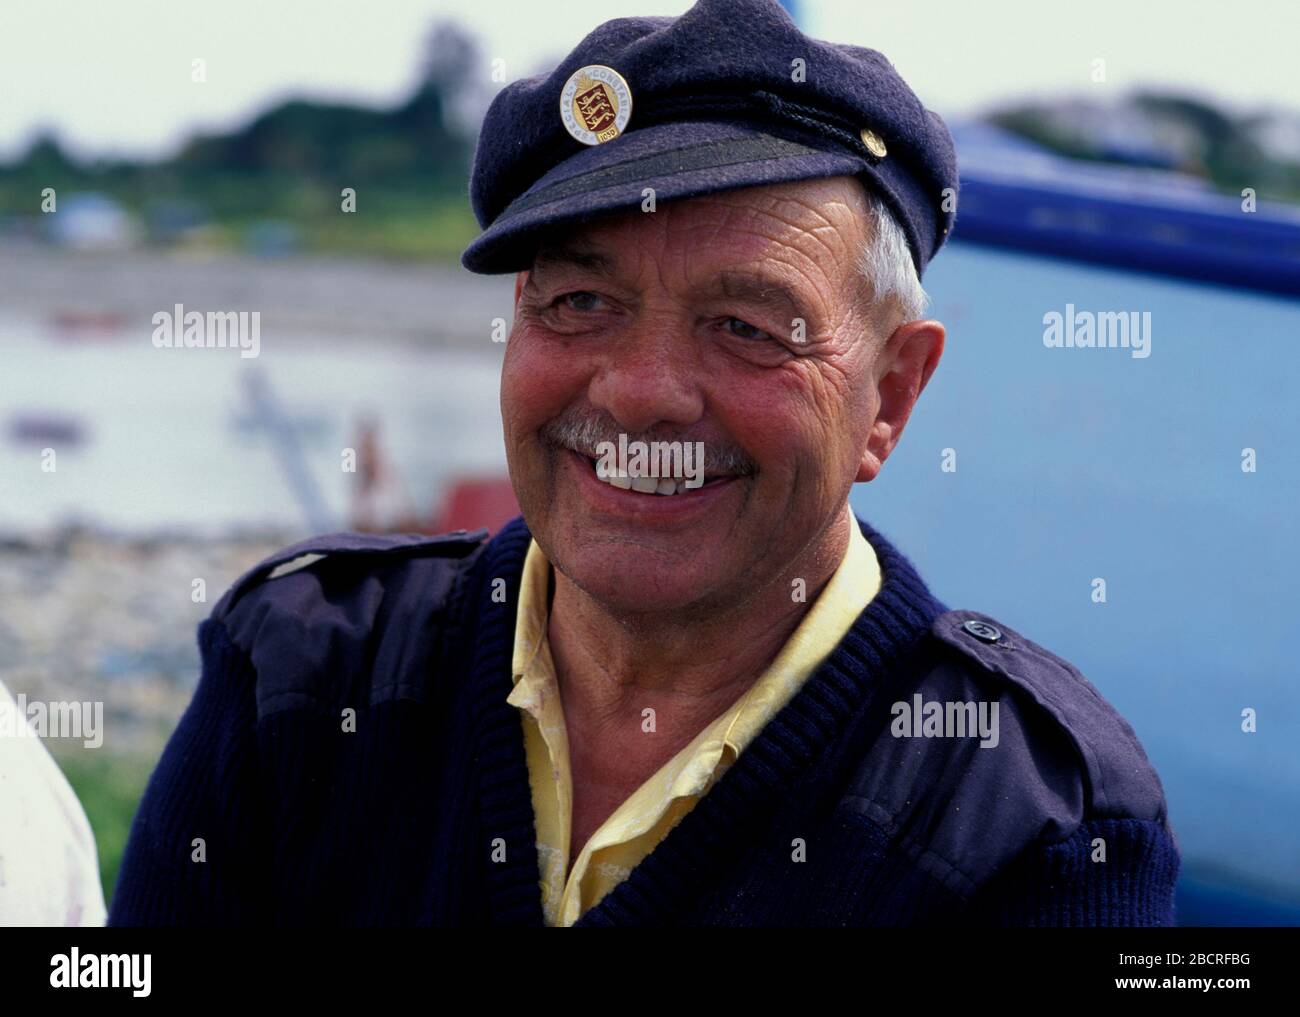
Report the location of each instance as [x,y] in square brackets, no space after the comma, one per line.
[995,744]
[1120,776]
[456,544]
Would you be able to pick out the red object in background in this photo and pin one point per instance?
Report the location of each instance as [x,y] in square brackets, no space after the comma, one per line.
[469,504]
[89,325]
[380,503]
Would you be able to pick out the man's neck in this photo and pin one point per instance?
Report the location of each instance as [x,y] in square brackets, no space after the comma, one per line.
[688,671]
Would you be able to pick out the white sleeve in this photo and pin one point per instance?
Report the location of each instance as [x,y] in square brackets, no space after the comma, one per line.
[49,868]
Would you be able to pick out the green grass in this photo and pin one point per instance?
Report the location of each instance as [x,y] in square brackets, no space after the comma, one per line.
[404,224]
[408,220]
[418,231]
[110,788]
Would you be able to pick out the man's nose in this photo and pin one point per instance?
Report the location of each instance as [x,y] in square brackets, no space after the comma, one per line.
[650,375]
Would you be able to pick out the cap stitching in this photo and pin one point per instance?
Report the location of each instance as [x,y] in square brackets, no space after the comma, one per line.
[741,150]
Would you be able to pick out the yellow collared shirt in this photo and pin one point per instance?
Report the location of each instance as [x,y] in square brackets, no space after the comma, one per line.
[646,817]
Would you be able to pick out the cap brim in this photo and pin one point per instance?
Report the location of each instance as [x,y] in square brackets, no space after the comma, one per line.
[682,159]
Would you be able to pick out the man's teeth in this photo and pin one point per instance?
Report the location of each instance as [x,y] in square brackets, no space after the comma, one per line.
[645,485]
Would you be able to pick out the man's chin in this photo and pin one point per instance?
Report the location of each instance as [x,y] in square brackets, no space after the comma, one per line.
[627,579]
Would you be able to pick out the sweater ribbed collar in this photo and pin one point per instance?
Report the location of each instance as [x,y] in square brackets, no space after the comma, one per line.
[786,751]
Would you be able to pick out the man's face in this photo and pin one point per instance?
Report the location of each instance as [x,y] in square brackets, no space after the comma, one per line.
[737,320]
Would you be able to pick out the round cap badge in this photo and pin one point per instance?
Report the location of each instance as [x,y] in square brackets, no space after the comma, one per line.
[596,104]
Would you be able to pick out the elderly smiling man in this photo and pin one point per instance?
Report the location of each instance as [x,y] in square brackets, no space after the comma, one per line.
[664,696]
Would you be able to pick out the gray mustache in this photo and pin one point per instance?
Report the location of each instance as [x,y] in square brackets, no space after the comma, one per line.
[585,435]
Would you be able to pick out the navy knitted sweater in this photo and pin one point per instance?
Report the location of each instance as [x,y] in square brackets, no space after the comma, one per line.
[349,759]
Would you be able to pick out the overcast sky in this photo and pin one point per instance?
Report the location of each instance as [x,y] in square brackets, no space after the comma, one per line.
[115,76]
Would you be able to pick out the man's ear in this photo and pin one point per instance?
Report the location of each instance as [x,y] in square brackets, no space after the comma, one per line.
[902,369]
[520,279]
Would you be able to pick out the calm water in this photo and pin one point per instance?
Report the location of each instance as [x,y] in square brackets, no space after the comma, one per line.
[170,439]
[1071,464]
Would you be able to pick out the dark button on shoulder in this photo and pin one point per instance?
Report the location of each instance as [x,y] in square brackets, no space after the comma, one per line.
[982,631]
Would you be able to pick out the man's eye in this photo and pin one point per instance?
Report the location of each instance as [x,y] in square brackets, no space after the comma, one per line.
[745,330]
[580,300]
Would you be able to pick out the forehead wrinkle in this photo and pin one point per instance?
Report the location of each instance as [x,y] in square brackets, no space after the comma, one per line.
[785,265]
[831,238]
[764,274]
[795,227]
[829,234]
[837,266]
[808,280]
[766,217]
[806,275]
[842,252]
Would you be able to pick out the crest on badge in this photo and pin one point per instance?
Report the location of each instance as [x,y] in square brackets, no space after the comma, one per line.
[595,104]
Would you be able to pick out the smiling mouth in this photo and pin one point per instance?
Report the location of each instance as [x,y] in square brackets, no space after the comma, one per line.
[667,487]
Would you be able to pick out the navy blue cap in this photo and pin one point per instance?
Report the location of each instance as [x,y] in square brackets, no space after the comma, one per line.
[730,94]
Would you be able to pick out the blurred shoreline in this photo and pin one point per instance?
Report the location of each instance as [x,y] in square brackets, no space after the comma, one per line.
[303,298]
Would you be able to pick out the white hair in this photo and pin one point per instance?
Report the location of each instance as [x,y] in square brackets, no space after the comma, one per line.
[885,261]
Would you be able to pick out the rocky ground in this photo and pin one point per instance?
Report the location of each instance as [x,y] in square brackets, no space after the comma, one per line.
[93,617]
